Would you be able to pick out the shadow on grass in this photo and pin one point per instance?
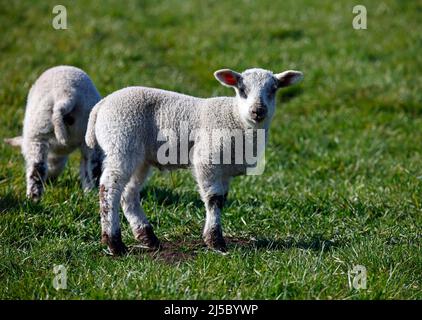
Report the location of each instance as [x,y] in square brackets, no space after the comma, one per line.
[171,252]
[10,202]
[176,251]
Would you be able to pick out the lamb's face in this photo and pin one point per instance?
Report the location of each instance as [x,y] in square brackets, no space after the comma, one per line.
[256,95]
[256,90]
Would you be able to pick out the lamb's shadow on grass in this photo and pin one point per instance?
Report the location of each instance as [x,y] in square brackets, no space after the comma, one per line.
[171,252]
[176,251]
[180,250]
[10,202]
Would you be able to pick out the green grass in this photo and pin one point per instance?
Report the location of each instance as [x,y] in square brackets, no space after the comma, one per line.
[342,184]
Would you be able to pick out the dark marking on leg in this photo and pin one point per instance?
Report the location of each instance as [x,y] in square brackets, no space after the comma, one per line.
[37,178]
[216,201]
[114,241]
[103,202]
[39,172]
[147,237]
[68,119]
[214,237]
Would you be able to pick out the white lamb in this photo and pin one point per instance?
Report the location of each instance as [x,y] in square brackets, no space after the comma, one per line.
[128,125]
[56,117]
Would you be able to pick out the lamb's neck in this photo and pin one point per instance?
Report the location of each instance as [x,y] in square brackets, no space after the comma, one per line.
[222,111]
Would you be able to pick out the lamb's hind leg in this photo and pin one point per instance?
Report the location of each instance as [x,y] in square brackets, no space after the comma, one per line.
[35,153]
[115,176]
[86,168]
[130,201]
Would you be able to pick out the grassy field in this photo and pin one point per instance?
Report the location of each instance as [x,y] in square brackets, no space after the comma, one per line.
[342,185]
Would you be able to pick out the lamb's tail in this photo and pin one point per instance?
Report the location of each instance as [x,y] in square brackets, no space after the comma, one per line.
[15,142]
[90,138]
[60,109]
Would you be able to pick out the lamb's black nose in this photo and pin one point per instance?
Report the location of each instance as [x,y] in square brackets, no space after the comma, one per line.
[258,113]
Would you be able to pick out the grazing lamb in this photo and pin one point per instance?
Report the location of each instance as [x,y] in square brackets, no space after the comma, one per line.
[56,117]
[128,125]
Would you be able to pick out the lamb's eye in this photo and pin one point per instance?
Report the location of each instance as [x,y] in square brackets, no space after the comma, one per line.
[242,93]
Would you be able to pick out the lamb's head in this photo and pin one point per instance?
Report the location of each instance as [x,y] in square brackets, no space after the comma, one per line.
[256,90]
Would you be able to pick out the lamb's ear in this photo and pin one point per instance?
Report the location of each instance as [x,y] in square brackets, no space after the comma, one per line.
[289,77]
[227,77]
[15,142]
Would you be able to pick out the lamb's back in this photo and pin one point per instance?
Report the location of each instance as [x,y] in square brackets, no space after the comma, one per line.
[60,83]
[133,106]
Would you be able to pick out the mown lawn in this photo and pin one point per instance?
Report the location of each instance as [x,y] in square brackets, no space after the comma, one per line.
[342,185]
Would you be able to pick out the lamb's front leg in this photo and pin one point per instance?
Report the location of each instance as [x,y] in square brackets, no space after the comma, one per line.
[213,193]
[213,234]
[35,153]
